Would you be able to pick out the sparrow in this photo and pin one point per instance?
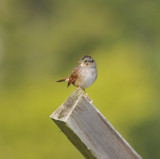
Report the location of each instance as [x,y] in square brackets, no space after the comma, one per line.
[84,75]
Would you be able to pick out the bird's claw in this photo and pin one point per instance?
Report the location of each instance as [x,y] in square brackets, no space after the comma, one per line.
[91,101]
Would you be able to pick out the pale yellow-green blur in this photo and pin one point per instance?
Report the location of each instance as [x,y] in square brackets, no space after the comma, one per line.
[41,41]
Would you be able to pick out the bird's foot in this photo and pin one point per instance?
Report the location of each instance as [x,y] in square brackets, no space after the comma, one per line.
[78,90]
[90,100]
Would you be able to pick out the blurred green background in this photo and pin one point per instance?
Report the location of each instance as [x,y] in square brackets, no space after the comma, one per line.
[42,41]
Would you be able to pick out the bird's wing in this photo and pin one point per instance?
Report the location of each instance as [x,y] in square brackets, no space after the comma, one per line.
[73,76]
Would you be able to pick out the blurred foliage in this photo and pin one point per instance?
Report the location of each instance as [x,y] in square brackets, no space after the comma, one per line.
[42,41]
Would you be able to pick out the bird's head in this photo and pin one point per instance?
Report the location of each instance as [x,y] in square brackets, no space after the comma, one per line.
[87,61]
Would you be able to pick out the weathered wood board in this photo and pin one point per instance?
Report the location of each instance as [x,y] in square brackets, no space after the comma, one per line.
[89,131]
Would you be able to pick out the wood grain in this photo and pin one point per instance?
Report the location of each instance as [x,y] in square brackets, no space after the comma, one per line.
[89,131]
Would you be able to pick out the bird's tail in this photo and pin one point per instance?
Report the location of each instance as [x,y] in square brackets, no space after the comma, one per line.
[62,80]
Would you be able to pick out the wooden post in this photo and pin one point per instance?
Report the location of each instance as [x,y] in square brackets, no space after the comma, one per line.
[89,131]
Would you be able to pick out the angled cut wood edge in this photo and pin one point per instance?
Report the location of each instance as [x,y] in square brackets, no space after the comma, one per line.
[89,131]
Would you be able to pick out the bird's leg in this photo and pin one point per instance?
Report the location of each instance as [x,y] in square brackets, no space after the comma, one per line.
[79,89]
[88,96]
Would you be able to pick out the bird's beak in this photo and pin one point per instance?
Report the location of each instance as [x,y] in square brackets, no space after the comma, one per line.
[80,61]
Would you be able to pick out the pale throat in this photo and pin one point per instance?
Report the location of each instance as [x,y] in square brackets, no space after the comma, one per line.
[82,65]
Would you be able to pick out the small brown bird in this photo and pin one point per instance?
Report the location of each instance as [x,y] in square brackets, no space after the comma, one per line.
[84,75]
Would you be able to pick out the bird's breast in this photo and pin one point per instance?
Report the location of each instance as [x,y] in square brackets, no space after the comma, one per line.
[87,76]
